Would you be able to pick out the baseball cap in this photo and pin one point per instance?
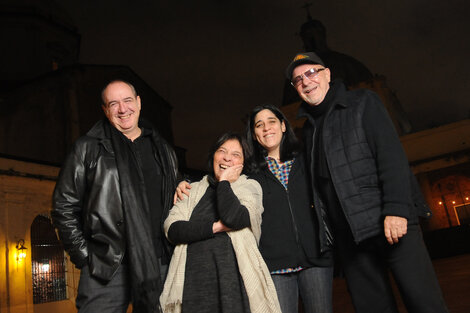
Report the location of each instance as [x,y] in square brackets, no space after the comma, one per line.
[303,58]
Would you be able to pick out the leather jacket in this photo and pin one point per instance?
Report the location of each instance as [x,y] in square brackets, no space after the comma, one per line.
[87,206]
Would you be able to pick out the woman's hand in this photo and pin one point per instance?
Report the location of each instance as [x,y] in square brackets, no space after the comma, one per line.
[219,227]
[183,188]
[232,173]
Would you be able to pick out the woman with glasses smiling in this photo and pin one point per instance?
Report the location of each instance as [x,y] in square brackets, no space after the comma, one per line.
[216,265]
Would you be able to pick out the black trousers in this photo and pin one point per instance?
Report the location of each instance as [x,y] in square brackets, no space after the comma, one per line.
[96,296]
[366,269]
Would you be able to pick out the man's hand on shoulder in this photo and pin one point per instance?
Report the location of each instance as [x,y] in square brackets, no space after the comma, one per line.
[182,189]
[395,227]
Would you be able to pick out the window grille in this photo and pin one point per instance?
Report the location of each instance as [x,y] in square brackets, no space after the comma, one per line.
[48,262]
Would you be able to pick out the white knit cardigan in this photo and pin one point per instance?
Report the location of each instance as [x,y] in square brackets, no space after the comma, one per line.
[254,272]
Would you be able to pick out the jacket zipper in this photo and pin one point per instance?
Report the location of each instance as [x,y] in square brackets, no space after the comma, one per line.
[323,234]
[296,232]
[294,224]
[328,165]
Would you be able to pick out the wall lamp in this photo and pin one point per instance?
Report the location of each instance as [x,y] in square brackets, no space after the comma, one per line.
[21,250]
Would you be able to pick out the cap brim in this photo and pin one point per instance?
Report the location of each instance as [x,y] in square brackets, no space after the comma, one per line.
[294,64]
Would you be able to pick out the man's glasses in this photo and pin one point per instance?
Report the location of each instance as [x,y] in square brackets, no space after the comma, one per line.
[310,75]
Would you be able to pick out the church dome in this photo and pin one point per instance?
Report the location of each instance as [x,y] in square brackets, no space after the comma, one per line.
[47,9]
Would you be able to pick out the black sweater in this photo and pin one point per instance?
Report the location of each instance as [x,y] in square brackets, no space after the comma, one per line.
[228,209]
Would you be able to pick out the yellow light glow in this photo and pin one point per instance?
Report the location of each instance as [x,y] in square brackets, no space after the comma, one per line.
[20,250]
[453,202]
[440,202]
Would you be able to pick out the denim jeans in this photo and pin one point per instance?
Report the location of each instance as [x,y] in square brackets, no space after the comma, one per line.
[314,285]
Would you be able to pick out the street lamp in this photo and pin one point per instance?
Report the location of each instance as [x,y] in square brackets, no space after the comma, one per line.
[21,250]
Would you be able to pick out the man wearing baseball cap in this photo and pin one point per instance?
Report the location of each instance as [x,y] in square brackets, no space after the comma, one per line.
[364,188]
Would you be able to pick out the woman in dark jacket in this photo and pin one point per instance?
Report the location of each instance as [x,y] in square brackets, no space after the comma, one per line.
[292,243]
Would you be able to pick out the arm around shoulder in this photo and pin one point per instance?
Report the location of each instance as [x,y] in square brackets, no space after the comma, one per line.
[182,209]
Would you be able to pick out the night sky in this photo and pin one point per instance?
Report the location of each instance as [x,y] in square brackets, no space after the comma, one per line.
[213,61]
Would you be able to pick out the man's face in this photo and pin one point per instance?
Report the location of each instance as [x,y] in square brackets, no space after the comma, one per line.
[312,90]
[122,108]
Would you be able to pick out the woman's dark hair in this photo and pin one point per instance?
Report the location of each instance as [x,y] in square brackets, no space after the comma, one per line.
[289,147]
[220,141]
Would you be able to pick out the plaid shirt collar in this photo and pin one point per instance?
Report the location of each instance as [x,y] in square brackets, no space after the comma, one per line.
[281,171]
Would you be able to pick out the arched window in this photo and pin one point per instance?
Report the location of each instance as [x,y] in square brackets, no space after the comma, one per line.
[48,262]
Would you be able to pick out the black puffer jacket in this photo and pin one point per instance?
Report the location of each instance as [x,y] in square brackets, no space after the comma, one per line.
[87,206]
[368,167]
[290,233]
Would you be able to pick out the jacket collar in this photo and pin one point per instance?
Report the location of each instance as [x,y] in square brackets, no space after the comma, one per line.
[99,130]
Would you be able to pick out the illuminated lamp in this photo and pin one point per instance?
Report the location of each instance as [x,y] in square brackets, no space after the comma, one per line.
[21,249]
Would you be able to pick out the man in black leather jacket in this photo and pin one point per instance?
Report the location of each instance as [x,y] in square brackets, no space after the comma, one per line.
[113,193]
[361,178]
